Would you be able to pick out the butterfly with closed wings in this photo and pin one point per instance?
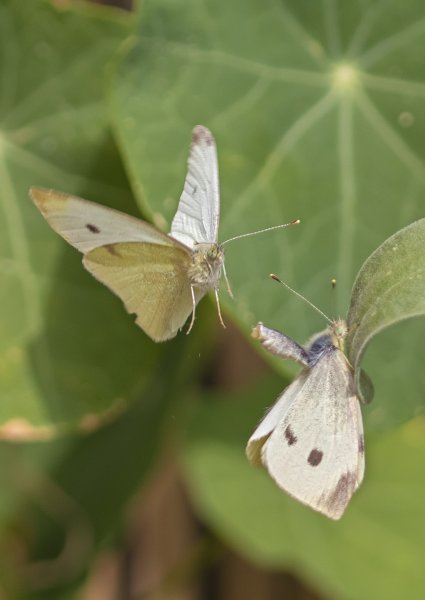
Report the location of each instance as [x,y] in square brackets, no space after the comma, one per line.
[311,441]
[159,277]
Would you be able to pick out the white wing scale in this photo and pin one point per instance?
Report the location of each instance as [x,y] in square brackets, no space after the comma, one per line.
[198,214]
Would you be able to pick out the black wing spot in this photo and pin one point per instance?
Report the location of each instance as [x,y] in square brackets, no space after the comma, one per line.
[315,457]
[339,498]
[361,443]
[290,436]
[93,228]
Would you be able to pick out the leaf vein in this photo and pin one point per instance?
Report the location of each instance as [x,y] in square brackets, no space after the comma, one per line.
[391,137]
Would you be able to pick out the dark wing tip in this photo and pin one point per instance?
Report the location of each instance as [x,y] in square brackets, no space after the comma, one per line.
[39,195]
[338,499]
[36,193]
[43,196]
[202,134]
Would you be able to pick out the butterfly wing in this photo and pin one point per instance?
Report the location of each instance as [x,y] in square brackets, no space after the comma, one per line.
[316,452]
[197,217]
[151,280]
[87,225]
[270,421]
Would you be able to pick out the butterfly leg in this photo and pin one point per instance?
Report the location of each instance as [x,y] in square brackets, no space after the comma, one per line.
[192,291]
[229,289]
[218,307]
[280,344]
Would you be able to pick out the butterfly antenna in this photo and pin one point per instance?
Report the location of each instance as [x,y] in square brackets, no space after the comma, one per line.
[334,296]
[276,278]
[238,237]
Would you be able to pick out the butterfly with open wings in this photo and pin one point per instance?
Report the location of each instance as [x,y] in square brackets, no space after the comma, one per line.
[159,277]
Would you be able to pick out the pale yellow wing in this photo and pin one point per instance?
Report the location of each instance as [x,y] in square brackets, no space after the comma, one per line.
[152,281]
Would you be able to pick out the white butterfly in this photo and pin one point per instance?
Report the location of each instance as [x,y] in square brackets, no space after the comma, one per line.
[159,277]
[311,441]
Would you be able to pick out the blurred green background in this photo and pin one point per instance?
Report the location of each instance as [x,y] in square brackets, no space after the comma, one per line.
[122,465]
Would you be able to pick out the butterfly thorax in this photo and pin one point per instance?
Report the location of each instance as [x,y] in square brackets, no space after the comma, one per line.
[318,346]
[330,339]
[205,268]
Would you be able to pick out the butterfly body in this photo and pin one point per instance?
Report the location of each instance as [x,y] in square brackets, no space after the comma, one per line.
[311,441]
[206,265]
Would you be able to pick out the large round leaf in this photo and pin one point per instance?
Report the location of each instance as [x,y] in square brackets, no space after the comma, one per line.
[317,112]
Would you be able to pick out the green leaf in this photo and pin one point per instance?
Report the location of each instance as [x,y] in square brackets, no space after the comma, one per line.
[62,334]
[390,287]
[78,487]
[374,552]
[317,109]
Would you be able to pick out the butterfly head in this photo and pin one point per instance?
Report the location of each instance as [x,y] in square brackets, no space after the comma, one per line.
[339,331]
[207,261]
[215,253]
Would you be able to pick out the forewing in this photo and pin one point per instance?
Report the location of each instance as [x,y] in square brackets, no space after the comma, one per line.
[324,465]
[151,280]
[87,225]
[270,421]
[198,213]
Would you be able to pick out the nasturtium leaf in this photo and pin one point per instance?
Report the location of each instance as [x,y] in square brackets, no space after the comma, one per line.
[317,109]
[390,287]
[69,355]
[78,487]
[374,552]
